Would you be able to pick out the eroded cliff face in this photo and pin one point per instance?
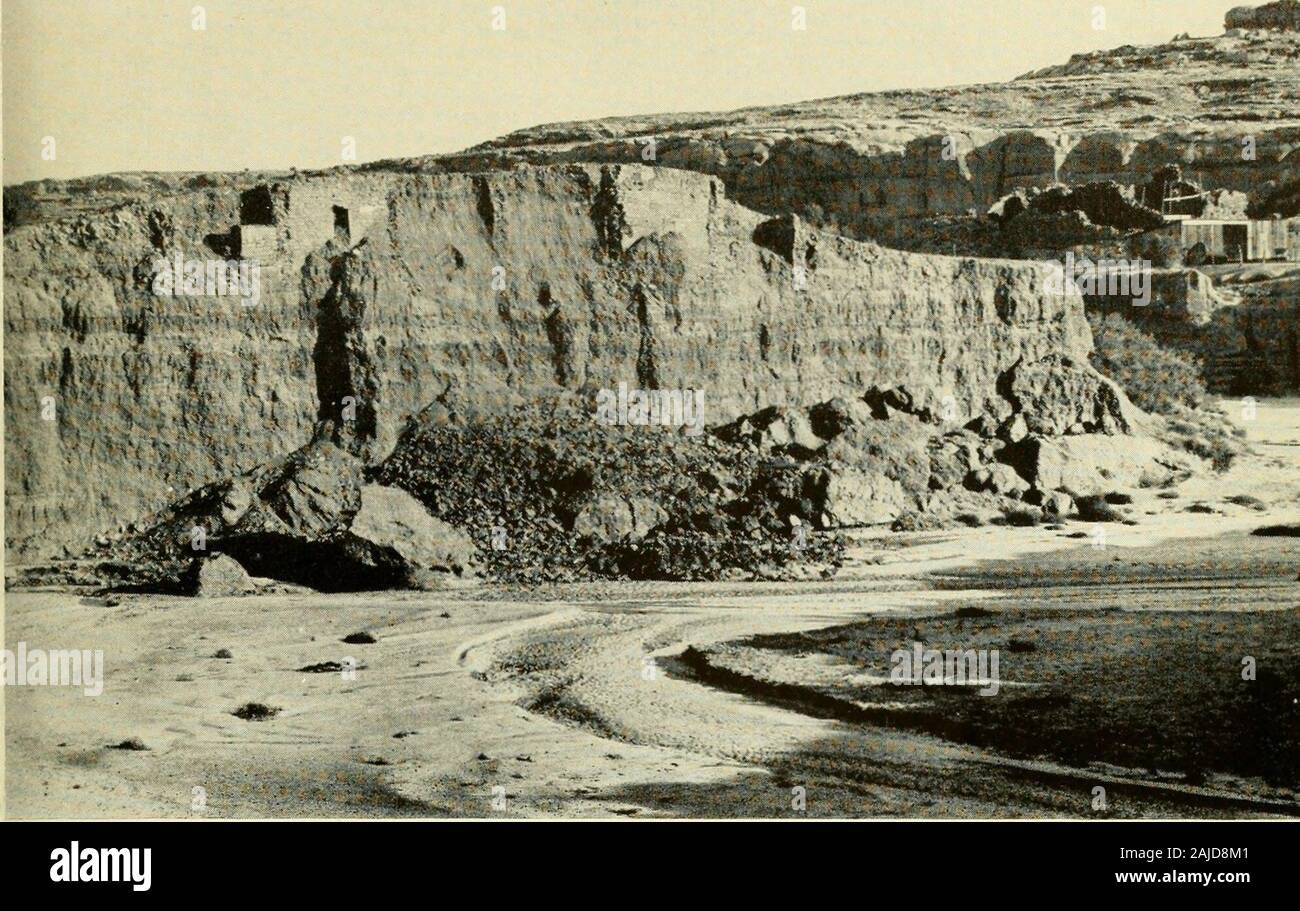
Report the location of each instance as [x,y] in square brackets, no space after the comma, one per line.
[492,288]
[117,397]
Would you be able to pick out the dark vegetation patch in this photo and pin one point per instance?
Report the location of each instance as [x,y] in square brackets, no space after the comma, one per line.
[1023,517]
[1246,500]
[1207,436]
[1156,378]
[1165,687]
[327,667]
[1245,349]
[255,711]
[361,638]
[1278,531]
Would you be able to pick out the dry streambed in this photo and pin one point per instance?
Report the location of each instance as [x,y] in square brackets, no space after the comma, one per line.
[1146,702]
[582,700]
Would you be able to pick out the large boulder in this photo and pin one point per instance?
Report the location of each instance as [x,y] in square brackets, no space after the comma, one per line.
[831,418]
[610,518]
[646,514]
[1058,395]
[954,456]
[236,497]
[399,531]
[311,494]
[1050,465]
[948,466]
[1095,463]
[999,479]
[844,496]
[319,491]
[311,519]
[217,576]
[919,402]
[896,449]
[1057,504]
[776,428]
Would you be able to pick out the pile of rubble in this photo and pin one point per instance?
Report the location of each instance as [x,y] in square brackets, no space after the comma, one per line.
[543,492]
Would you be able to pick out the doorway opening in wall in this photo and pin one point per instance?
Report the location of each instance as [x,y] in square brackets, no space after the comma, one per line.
[1235,240]
[342,228]
[257,206]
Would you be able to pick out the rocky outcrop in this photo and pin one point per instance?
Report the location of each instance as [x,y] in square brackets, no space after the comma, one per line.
[1159,70]
[1055,429]
[863,186]
[999,479]
[778,427]
[491,288]
[1283,15]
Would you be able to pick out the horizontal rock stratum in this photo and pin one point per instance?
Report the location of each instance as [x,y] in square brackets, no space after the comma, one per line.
[379,295]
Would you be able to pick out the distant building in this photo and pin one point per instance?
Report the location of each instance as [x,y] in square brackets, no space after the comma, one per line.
[1236,239]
